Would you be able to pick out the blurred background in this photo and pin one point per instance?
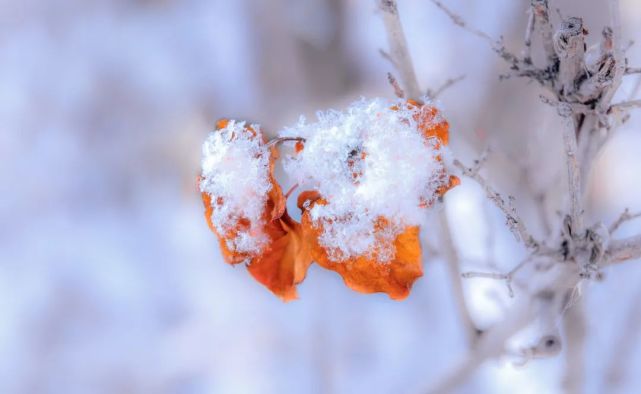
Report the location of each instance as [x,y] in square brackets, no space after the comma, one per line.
[110,281]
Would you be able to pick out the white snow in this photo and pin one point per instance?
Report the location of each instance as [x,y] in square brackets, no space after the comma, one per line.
[235,171]
[368,162]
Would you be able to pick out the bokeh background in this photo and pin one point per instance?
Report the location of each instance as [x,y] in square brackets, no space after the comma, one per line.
[110,281]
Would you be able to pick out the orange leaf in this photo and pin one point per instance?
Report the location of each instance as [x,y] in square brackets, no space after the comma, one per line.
[366,274]
[432,125]
[285,264]
[284,260]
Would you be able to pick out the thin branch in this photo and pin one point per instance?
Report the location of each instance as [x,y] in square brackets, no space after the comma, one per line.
[398,48]
[523,312]
[518,67]
[633,70]
[577,108]
[621,250]
[402,60]
[459,21]
[624,217]
[527,52]
[541,11]
[507,277]
[619,57]
[626,105]
[491,344]
[624,347]
[387,57]
[514,222]
[398,91]
[573,170]
[433,94]
[279,140]
[575,330]
[496,45]
[453,263]
[569,45]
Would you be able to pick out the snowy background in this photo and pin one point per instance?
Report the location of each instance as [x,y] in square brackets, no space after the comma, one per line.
[110,281]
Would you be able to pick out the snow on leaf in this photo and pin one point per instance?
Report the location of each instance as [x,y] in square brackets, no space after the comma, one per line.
[375,160]
[245,208]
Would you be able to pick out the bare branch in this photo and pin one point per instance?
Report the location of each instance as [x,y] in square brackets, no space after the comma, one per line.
[626,105]
[623,349]
[577,108]
[527,52]
[541,12]
[387,57]
[397,88]
[573,170]
[617,53]
[621,250]
[398,48]
[491,344]
[279,140]
[433,94]
[454,273]
[624,217]
[513,221]
[402,60]
[523,312]
[457,20]
[575,329]
[508,277]
[633,70]
[569,45]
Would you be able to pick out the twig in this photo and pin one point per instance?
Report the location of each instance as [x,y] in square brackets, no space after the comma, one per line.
[387,57]
[633,70]
[573,170]
[518,67]
[404,65]
[621,250]
[433,94]
[624,217]
[626,105]
[507,277]
[454,273]
[541,11]
[527,52]
[523,312]
[457,20]
[569,45]
[574,327]
[398,48]
[619,57]
[279,140]
[577,108]
[514,222]
[496,45]
[624,347]
[491,344]
[398,91]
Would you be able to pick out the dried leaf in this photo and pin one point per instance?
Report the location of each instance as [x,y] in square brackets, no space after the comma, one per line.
[284,260]
[366,274]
